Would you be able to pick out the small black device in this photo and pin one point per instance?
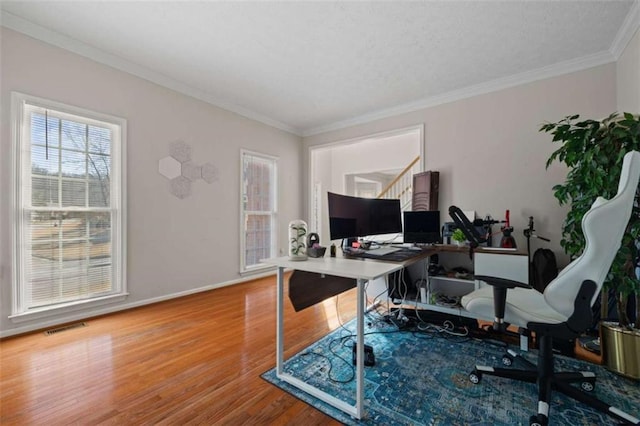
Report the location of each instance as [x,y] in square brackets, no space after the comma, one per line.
[422,227]
[447,231]
[369,358]
[434,267]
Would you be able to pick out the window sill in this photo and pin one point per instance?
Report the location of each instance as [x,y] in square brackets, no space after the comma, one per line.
[47,312]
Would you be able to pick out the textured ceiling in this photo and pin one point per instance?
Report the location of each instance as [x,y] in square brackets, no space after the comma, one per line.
[312,66]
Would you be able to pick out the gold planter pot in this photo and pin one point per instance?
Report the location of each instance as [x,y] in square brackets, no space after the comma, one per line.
[621,349]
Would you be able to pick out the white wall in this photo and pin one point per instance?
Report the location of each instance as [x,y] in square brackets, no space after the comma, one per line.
[174,246]
[489,152]
[628,77]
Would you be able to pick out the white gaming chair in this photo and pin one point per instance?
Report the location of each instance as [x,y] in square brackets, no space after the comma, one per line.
[564,309]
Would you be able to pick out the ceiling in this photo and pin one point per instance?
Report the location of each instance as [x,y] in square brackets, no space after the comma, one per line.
[308,67]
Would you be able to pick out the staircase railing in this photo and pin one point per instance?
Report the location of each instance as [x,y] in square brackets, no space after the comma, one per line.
[401,186]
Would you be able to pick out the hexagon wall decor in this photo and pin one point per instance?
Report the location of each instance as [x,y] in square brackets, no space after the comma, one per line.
[181,187]
[191,171]
[169,167]
[182,172]
[180,150]
[209,173]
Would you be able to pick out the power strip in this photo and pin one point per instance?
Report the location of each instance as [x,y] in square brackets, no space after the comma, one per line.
[401,323]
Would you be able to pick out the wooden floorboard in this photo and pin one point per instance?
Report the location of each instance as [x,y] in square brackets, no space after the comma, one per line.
[192,360]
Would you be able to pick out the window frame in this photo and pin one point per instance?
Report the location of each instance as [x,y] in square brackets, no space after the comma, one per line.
[20,103]
[259,267]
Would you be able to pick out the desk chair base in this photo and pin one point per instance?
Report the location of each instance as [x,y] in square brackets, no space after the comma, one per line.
[547,379]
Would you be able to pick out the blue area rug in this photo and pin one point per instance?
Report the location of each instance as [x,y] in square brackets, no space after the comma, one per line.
[421,378]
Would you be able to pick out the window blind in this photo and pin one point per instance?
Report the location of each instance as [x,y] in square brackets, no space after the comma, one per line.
[69,210]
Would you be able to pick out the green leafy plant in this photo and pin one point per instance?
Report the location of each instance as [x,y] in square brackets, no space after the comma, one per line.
[593,150]
[458,235]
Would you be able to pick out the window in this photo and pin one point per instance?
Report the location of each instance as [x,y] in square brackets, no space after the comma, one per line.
[69,182]
[258,233]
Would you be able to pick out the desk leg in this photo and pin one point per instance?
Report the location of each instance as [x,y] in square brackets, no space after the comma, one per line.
[358,409]
[280,322]
[360,350]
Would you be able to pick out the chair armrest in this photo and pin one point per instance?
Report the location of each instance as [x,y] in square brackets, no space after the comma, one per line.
[501,282]
[500,287]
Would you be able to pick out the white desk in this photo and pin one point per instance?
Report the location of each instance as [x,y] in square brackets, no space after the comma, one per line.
[362,271]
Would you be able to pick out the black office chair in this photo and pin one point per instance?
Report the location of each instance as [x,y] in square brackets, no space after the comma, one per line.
[564,309]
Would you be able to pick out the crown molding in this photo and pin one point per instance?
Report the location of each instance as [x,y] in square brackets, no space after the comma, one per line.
[624,35]
[38,32]
[555,70]
[627,30]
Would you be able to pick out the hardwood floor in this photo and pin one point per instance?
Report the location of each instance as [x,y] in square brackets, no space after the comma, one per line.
[193,360]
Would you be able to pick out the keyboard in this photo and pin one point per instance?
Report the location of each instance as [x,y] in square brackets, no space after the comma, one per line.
[395,255]
[383,251]
[400,256]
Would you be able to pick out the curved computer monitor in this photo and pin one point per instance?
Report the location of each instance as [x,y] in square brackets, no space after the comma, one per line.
[353,217]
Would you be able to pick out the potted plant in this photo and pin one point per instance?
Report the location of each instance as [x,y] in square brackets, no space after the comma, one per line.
[593,151]
[458,237]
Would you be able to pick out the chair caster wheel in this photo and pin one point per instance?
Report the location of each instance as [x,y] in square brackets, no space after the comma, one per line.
[588,386]
[474,377]
[507,360]
[538,421]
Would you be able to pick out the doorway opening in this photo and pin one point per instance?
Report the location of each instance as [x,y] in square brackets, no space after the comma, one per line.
[374,166]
